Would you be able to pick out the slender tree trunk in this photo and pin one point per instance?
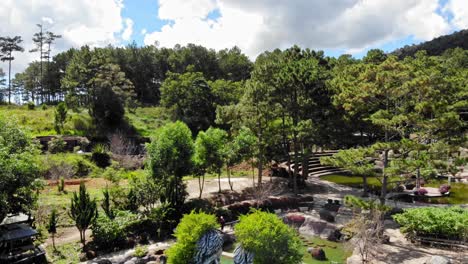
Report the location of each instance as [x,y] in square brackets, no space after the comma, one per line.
[253,175]
[364,186]
[219,180]
[9,80]
[385,178]
[305,165]
[296,161]
[201,184]
[53,241]
[228,169]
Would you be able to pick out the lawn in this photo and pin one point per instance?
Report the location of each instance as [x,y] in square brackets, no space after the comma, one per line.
[356,181]
[147,120]
[65,254]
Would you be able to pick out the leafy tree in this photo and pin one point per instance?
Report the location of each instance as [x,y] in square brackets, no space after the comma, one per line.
[60,117]
[239,148]
[190,97]
[170,158]
[83,210]
[209,151]
[18,169]
[52,226]
[190,229]
[8,45]
[146,192]
[357,160]
[268,238]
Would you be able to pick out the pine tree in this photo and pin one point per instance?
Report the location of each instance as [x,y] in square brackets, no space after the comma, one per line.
[83,211]
[52,226]
[7,46]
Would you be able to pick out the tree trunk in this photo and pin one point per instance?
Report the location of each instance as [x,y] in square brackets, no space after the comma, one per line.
[219,181]
[385,178]
[201,184]
[9,81]
[253,175]
[305,165]
[53,241]
[365,191]
[260,172]
[228,169]
[296,163]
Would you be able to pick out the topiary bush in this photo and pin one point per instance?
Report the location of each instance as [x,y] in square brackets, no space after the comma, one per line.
[190,229]
[268,238]
[444,188]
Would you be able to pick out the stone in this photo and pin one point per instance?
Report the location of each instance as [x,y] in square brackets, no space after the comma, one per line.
[318,254]
[83,257]
[104,261]
[438,260]
[129,262]
[90,254]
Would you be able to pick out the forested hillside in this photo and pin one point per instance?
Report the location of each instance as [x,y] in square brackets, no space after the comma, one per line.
[436,46]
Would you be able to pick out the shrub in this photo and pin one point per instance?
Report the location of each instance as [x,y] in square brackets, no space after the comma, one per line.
[56,145]
[421,191]
[61,185]
[31,105]
[140,251]
[112,232]
[190,229]
[164,217]
[268,238]
[101,156]
[449,222]
[444,188]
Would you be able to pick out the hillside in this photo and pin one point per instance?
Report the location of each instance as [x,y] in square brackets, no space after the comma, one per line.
[436,46]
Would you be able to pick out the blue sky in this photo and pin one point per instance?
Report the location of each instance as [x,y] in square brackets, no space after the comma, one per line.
[335,26]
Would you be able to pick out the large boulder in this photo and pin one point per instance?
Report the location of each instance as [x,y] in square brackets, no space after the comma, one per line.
[438,260]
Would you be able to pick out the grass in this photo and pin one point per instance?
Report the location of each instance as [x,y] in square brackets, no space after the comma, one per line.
[65,254]
[333,250]
[40,121]
[458,193]
[147,120]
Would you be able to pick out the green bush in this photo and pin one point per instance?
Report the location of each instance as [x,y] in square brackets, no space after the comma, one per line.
[140,251]
[31,105]
[101,156]
[447,222]
[112,232]
[56,145]
[190,229]
[269,239]
[82,124]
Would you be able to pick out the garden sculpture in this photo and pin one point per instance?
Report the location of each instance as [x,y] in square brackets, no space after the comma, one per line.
[209,248]
[242,256]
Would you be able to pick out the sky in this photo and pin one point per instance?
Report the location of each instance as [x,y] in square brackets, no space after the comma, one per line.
[335,26]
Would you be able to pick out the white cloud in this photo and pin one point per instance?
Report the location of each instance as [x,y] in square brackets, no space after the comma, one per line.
[459,10]
[143,31]
[80,22]
[258,25]
[127,33]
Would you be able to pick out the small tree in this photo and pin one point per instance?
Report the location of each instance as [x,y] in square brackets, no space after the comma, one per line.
[52,226]
[209,151]
[60,117]
[269,239]
[190,229]
[106,203]
[83,211]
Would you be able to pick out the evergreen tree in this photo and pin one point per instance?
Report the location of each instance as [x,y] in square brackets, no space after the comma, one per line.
[52,226]
[83,210]
[8,45]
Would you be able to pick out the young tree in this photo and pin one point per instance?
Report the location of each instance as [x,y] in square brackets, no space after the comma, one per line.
[8,45]
[60,117]
[83,210]
[170,158]
[52,226]
[106,204]
[209,151]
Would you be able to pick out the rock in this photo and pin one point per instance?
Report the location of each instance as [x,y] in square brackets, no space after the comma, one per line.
[309,250]
[83,257]
[438,260]
[334,236]
[129,262]
[90,254]
[318,254]
[327,215]
[104,261]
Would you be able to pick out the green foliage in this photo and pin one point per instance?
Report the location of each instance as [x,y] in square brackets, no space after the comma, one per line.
[109,233]
[170,158]
[106,204]
[56,145]
[80,164]
[60,117]
[441,222]
[83,211]
[190,229]
[31,105]
[101,156]
[165,217]
[18,169]
[52,225]
[268,238]
[61,185]
[357,203]
[184,94]
[140,251]
[146,192]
